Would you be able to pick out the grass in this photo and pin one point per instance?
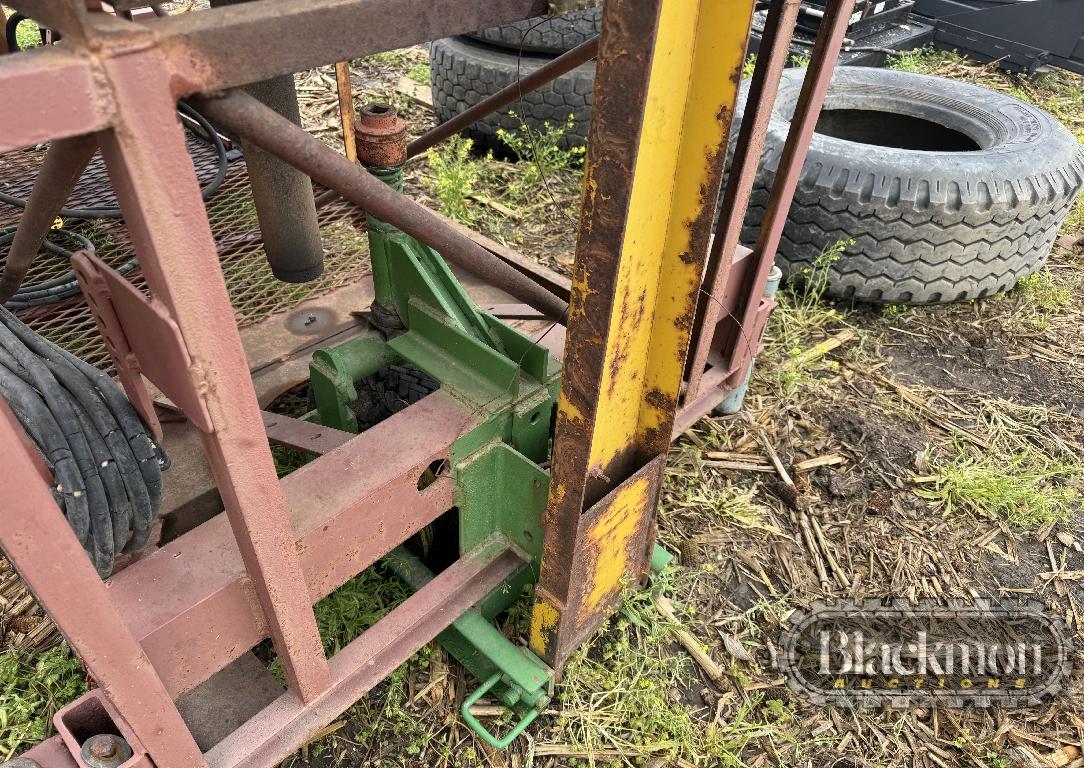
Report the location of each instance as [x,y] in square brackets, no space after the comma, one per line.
[1028,477]
[395,59]
[420,73]
[33,686]
[624,696]
[800,320]
[26,34]
[726,504]
[1023,492]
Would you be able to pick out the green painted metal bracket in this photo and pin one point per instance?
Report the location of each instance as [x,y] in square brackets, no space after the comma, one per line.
[334,370]
[518,679]
[499,743]
[501,487]
[407,271]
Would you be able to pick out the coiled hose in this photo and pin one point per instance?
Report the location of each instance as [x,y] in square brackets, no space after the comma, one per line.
[107,469]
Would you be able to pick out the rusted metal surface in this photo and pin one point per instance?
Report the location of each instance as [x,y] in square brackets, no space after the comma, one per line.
[247,117]
[303,435]
[561,65]
[157,187]
[345,92]
[614,540]
[345,511]
[380,136]
[227,47]
[64,162]
[52,562]
[552,281]
[771,59]
[93,713]
[833,28]
[285,725]
[643,238]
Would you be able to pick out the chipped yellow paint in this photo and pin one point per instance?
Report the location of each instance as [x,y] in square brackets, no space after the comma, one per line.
[690,97]
[610,537]
[544,620]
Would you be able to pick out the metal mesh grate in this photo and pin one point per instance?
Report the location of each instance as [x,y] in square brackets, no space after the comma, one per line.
[254,291]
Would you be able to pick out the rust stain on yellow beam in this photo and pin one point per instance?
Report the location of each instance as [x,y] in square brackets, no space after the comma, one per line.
[694,81]
[611,537]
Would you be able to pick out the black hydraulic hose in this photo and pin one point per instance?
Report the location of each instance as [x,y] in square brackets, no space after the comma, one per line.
[136,456]
[106,468]
[112,212]
[63,286]
[68,489]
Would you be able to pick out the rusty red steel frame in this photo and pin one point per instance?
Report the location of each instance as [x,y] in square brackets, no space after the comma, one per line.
[170,621]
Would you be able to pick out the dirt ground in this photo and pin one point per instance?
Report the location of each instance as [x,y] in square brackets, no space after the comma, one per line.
[935,452]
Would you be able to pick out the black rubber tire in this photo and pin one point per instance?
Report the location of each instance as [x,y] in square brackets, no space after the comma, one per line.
[542,35]
[464,72]
[929,225]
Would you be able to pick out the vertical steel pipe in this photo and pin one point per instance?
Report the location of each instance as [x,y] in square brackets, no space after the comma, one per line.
[282,194]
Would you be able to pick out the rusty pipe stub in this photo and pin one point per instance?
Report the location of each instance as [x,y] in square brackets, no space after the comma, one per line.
[381,136]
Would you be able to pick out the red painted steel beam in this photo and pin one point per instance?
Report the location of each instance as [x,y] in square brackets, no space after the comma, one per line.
[347,510]
[157,188]
[226,47]
[818,76]
[285,725]
[771,59]
[50,93]
[51,561]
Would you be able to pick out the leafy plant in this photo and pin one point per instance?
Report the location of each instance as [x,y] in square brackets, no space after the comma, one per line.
[420,73]
[800,317]
[33,686]
[1024,492]
[541,151]
[455,174]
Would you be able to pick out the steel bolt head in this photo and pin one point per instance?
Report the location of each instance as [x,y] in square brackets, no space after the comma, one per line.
[102,747]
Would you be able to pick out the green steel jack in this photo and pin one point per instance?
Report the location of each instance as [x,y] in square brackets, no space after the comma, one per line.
[422,317]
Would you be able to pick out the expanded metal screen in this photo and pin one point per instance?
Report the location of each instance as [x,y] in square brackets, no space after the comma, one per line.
[254,291]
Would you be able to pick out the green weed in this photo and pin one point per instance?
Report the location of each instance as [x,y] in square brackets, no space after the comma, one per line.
[748,66]
[26,34]
[396,58]
[541,151]
[1021,492]
[455,174]
[33,686]
[723,503]
[420,73]
[623,694]
[801,317]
